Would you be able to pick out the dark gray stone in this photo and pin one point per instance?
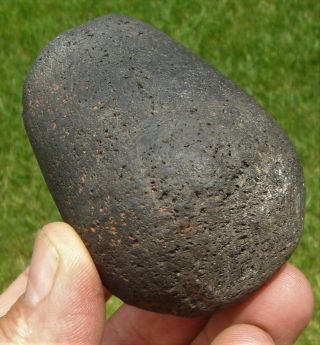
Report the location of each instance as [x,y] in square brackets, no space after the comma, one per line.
[186,192]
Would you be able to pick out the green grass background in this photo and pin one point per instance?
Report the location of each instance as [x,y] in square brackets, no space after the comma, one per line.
[270,48]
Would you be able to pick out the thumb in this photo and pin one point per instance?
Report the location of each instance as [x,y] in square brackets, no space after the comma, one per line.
[63,300]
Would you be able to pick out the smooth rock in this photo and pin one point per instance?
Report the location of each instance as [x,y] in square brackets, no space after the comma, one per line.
[186,192]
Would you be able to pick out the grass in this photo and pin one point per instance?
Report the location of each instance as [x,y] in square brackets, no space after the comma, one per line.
[270,48]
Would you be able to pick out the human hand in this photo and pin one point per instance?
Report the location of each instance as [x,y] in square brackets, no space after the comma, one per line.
[60,300]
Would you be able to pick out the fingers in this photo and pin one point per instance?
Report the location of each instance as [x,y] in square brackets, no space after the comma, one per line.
[282,308]
[243,335]
[134,326]
[13,292]
[61,300]
[276,314]
[64,299]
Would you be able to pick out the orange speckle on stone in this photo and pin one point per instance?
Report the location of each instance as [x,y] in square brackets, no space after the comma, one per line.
[115,243]
[55,87]
[82,181]
[112,222]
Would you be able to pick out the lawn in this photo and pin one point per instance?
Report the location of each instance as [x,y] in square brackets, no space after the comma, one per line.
[270,48]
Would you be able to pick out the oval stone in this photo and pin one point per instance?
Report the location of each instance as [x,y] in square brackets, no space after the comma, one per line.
[186,192]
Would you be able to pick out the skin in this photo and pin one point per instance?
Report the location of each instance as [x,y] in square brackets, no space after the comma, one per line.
[59,299]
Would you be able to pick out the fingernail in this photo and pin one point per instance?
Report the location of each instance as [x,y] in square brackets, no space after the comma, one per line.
[43,269]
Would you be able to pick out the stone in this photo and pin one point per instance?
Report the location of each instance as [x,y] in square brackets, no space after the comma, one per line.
[187,194]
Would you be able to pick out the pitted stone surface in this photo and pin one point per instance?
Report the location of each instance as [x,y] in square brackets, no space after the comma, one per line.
[186,192]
